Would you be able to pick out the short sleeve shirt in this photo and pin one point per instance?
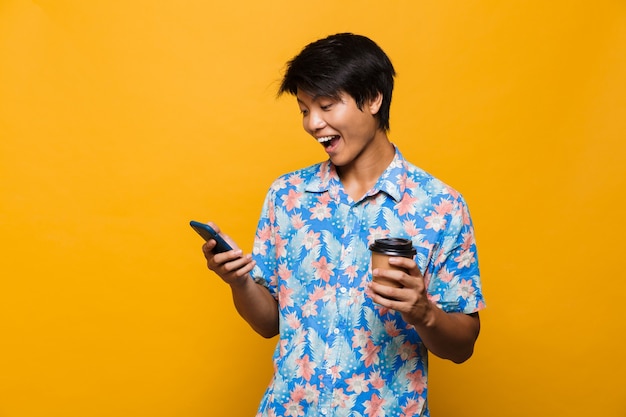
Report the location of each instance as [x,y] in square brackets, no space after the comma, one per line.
[338,353]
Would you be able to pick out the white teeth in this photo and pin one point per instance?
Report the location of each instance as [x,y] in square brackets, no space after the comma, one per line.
[324,139]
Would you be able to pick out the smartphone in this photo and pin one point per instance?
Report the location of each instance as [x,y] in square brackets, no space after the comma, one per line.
[208,233]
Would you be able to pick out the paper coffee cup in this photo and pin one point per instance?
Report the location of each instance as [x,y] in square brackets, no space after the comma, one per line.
[383,249]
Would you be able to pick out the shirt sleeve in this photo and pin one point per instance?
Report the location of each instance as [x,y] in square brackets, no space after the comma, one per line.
[264,249]
[454,281]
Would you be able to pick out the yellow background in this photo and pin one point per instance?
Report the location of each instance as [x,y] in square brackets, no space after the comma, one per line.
[122,121]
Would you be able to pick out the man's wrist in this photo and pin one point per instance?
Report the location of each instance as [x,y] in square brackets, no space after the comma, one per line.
[431,312]
[240,282]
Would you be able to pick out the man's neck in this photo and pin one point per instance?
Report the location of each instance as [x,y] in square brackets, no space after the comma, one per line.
[361,175]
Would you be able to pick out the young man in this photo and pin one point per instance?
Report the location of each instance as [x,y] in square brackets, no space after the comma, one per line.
[349,346]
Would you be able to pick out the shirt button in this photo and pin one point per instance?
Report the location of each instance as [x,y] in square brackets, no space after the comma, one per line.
[343,290]
[336,331]
[324,411]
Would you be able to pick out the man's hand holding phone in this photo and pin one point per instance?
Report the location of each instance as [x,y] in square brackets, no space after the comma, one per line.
[222,254]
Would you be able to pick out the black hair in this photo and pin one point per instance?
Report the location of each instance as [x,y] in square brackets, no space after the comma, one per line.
[343,62]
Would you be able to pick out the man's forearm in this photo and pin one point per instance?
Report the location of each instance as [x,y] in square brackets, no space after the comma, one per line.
[450,335]
[257,306]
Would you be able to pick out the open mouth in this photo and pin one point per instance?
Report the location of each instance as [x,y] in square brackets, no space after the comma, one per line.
[327,141]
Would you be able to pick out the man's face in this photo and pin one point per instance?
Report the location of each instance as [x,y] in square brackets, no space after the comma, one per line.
[345,131]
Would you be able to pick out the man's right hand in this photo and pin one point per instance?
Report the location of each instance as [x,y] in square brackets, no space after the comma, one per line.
[232,266]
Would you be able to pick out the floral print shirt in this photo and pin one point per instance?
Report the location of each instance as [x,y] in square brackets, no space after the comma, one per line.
[338,353]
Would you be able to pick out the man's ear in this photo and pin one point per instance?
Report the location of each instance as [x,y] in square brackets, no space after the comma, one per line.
[374,104]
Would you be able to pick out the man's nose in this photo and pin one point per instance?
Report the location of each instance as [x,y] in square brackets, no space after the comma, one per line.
[315,121]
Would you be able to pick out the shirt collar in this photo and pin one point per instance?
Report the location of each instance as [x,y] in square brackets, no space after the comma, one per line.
[392,181]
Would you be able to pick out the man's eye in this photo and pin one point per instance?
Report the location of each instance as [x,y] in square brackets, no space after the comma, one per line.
[304,112]
[326,107]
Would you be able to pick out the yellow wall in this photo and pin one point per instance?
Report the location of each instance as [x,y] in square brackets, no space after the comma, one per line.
[122,121]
